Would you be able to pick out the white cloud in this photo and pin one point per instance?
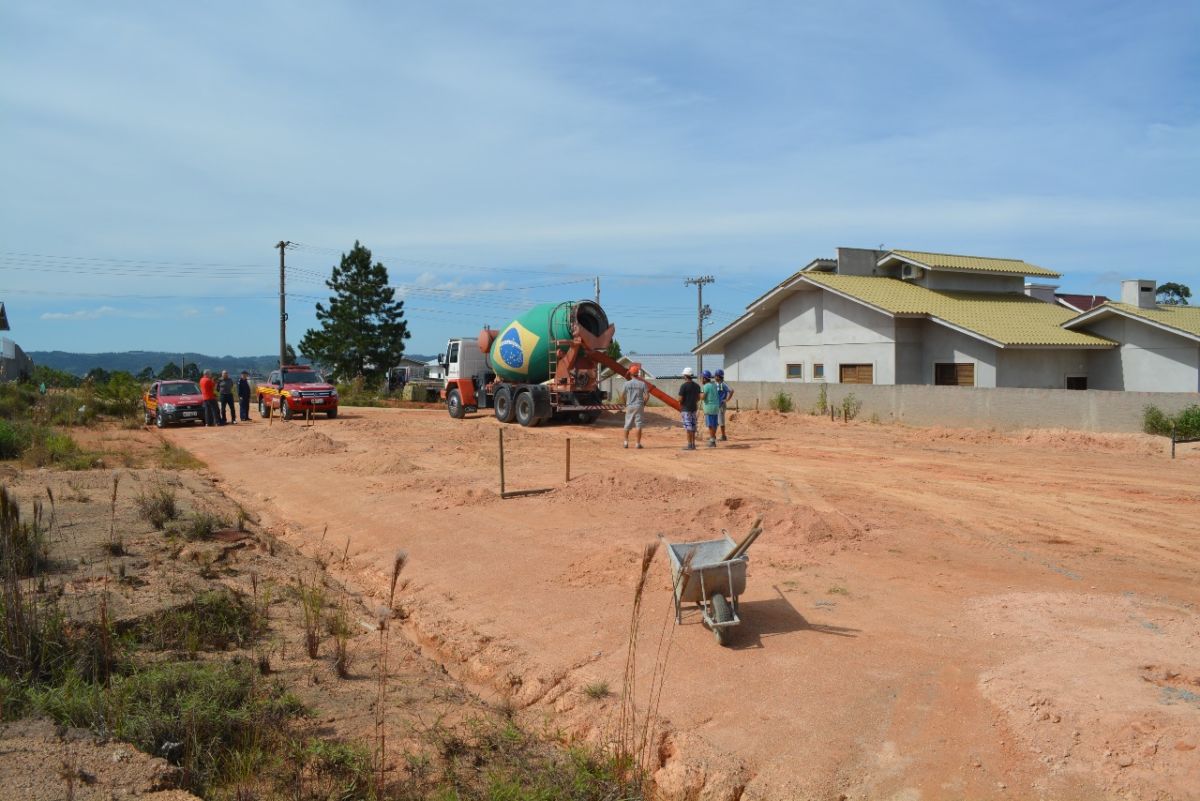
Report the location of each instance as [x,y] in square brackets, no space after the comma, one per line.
[219,311]
[98,313]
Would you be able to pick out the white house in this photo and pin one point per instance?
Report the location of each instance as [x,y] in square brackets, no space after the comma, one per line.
[912,317]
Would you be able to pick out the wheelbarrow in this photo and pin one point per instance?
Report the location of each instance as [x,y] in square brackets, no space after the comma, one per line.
[710,574]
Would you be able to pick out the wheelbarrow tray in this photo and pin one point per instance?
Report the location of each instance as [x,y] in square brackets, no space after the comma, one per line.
[709,572]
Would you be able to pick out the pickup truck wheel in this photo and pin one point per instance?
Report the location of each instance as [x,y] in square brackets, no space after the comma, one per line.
[526,411]
[454,404]
[262,407]
[149,418]
[332,413]
[285,411]
[159,420]
[504,405]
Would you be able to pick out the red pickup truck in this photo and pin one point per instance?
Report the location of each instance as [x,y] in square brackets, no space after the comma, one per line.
[295,390]
[172,402]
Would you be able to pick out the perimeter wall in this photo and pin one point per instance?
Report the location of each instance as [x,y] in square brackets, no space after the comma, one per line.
[975,407]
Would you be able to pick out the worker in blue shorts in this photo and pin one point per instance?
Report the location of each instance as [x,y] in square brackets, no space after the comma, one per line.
[726,393]
[689,399]
[712,406]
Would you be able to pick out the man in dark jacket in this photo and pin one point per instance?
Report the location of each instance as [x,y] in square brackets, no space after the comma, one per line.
[244,396]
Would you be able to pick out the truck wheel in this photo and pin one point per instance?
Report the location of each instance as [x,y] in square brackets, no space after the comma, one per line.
[149,418]
[587,418]
[262,407]
[285,411]
[158,419]
[721,614]
[504,405]
[526,411]
[454,404]
[332,413]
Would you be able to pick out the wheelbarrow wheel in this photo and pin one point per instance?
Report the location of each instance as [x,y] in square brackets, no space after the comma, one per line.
[721,614]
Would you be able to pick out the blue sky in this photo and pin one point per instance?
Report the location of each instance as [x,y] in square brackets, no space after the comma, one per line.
[491,153]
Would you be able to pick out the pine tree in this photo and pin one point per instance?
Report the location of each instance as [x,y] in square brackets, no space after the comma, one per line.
[362,329]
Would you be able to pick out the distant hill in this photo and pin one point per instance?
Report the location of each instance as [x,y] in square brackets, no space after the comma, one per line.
[133,361]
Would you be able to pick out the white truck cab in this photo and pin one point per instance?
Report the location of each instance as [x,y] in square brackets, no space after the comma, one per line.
[463,359]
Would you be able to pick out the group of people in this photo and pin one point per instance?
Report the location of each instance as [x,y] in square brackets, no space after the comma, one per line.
[211,389]
[712,393]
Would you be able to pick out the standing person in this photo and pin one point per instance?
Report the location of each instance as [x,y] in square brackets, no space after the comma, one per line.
[244,396]
[689,397]
[634,394]
[712,406]
[225,388]
[208,392]
[726,393]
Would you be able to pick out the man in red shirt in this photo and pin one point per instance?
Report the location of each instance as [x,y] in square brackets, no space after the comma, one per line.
[208,391]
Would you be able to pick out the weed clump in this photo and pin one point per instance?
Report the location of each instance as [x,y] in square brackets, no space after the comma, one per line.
[212,621]
[781,402]
[1185,425]
[157,507]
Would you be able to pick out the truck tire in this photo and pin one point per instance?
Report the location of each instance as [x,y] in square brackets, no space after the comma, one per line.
[149,418]
[454,404]
[527,410]
[504,405]
[285,411]
[262,407]
[721,614]
[587,418]
[159,420]
[332,413]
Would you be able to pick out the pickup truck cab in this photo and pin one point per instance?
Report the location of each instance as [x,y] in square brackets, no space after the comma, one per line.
[166,402]
[295,390]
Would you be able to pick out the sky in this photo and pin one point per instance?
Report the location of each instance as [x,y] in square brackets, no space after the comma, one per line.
[495,155]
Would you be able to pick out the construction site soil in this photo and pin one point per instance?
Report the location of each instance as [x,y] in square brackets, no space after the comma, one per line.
[930,613]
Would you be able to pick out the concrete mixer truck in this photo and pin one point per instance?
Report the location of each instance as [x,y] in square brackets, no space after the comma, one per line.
[542,366]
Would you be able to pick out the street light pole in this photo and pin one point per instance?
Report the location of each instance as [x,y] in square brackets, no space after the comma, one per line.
[702,312]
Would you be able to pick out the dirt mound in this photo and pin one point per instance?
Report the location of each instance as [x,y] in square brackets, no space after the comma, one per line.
[1057,438]
[298,440]
[783,524]
[379,463]
[628,486]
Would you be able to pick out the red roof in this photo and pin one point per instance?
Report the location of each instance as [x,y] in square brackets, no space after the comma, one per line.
[1081,303]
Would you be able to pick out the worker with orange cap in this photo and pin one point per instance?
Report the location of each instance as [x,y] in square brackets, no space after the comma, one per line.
[634,393]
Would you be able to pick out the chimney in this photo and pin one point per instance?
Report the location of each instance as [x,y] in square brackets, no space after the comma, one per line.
[1138,292]
[1043,292]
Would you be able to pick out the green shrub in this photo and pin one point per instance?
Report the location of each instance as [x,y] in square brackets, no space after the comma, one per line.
[158,506]
[16,400]
[781,402]
[851,406]
[822,406]
[14,439]
[1186,424]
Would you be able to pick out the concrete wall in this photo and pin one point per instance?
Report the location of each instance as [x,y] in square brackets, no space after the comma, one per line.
[970,282]
[1000,408]
[755,354]
[1045,369]
[942,344]
[1149,359]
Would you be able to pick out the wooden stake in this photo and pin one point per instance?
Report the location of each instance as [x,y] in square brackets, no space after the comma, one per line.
[568,460]
[501,462]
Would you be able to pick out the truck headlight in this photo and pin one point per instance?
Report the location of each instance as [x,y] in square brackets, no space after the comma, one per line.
[168,407]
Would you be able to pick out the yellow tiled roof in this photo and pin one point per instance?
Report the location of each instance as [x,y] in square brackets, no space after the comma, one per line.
[1185,318]
[1005,317]
[949,261]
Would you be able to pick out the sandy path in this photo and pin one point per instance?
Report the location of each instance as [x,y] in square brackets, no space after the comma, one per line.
[930,613]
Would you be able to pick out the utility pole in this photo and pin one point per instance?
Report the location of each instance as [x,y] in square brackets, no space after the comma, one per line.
[283,246]
[702,312]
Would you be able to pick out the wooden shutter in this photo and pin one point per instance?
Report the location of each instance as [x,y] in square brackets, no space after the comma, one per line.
[954,375]
[856,374]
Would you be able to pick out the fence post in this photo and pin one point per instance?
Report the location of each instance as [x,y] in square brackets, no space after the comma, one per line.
[568,460]
[502,462]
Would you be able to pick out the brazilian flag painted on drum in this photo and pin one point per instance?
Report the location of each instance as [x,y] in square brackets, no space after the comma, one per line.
[521,351]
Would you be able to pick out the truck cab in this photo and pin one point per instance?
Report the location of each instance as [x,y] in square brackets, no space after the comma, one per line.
[297,389]
[466,370]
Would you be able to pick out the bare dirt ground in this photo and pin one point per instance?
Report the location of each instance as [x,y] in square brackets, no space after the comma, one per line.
[932,614]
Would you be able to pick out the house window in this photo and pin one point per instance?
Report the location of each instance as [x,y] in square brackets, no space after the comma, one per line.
[795,371]
[1077,382]
[947,374]
[856,374]
[818,372]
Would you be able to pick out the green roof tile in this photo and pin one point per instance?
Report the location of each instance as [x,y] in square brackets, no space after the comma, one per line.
[1005,317]
[949,261]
